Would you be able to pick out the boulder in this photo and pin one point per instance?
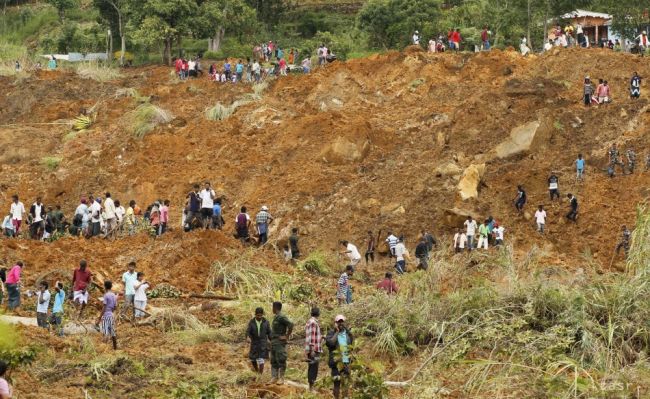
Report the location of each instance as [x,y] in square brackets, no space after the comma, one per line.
[470,181]
[343,150]
[393,207]
[371,203]
[448,169]
[455,217]
[520,140]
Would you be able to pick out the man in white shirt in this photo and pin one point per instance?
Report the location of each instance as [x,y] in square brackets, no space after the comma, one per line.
[400,254]
[95,217]
[207,203]
[392,242]
[109,212]
[416,38]
[548,45]
[460,239]
[37,228]
[351,252]
[499,230]
[119,212]
[471,227]
[42,305]
[17,211]
[540,217]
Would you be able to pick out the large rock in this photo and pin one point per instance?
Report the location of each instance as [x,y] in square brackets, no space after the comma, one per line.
[343,150]
[470,181]
[455,217]
[520,140]
[449,169]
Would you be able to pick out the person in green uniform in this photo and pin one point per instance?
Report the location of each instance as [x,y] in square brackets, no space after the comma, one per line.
[281,329]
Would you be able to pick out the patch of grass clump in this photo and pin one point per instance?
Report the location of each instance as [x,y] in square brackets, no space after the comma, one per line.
[219,112]
[316,263]
[146,117]
[52,163]
[97,71]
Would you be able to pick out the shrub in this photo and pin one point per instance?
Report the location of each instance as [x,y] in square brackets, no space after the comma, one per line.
[219,112]
[51,162]
[316,263]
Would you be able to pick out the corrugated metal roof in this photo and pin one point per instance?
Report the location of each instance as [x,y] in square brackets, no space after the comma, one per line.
[585,13]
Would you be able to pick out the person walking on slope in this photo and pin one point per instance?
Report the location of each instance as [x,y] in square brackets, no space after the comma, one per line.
[604,93]
[499,230]
[293,243]
[242,225]
[207,196]
[625,241]
[343,287]
[422,254]
[587,92]
[400,256]
[81,281]
[370,248]
[631,159]
[262,220]
[553,189]
[338,343]
[351,252]
[540,218]
[313,347]
[485,38]
[580,168]
[106,321]
[258,335]
[471,226]
[520,199]
[281,329]
[635,86]
[483,234]
[460,239]
[388,284]
[614,160]
[391,240]
[573,203]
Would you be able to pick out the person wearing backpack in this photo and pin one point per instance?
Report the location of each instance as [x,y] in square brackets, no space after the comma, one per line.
[242,224]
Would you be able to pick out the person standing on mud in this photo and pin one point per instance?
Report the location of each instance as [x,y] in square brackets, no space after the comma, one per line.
[262,220]
[370,248]
[392,242]
[242,225]
[343,287]
[95,217]
[281,329]
[338,343]
[626,235]
[540,218]
[580,168]
[470,226]
[459,241]
[207,202]
[614,160]
[129,279]
[293,243]
[111,217]
[351,252]
[553,189]
[17,211]
[106,321]
[422,254]
[81,281]
[313,347]
[635,86]
[258,336]
[193,208]
[588,91]
[400,256]
[37,212]
[520,199]
[631,159]
[217,215]
[573,203]
[12,283]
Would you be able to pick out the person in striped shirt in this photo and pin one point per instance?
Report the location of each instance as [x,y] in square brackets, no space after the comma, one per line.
[344,291]
[313,347]
[262,220]
[392,242]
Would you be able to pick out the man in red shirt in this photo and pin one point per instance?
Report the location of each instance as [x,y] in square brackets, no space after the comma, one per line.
[387,284]
[179,67]
[455,37]
[81,280]
[485,38]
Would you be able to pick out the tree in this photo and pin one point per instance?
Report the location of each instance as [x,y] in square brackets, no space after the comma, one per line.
[62,6]
[215,17]
[628,16]
[390,23]
[269,12]
[161,21]
[115,12]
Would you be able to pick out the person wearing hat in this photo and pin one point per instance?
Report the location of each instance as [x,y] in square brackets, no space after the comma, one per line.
[262,220]
[338,343]
[313,348]
[281,329]
[258,335]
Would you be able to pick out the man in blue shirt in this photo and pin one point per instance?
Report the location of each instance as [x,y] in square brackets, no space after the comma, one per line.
[217,218]
[57,309]
[226,68]
[239,69]
[580,167]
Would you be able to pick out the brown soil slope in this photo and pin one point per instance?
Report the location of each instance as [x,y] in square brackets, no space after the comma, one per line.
[351,147]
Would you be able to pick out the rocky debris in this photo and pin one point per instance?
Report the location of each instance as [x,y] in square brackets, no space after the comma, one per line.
[520,140]
[455,217]
[470,181]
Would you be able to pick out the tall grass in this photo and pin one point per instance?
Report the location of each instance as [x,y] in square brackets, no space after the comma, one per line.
[97,71]
[146,117]
[241,276]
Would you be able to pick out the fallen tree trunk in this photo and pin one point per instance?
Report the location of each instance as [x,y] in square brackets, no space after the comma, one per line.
[68,329]
[212,296]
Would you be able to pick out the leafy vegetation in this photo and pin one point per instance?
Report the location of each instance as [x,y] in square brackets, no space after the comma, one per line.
[51,162]
[146,117]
